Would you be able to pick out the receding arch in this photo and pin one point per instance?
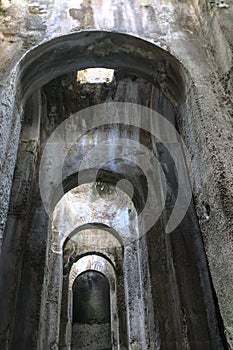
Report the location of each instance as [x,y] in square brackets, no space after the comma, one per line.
[79,208]
[106,175]
[97,253]
[92,262]
[100,49]
[97,263]
[96,226]
[96,239]
[83,49]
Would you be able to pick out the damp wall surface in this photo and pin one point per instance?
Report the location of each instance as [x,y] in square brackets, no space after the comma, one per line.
[199,36]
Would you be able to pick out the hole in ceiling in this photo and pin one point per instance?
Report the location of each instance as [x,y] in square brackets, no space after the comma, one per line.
[95,76]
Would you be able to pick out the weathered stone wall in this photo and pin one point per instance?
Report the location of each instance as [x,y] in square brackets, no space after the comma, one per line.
[200,36]
[93,337]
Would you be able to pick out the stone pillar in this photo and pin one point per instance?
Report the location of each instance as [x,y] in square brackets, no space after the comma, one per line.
[66,316]
[54,300]
[134,302]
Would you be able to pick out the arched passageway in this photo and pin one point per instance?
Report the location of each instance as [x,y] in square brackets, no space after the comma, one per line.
[91,326]
[100,246]
[93,315]
[167,300]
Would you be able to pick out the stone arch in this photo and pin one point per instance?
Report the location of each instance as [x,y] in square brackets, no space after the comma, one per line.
[68,218]
[107,176]
[51,57]
[103,266]
[151,61]
[98,226]
[99,237]
[39,66]
[114,251]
